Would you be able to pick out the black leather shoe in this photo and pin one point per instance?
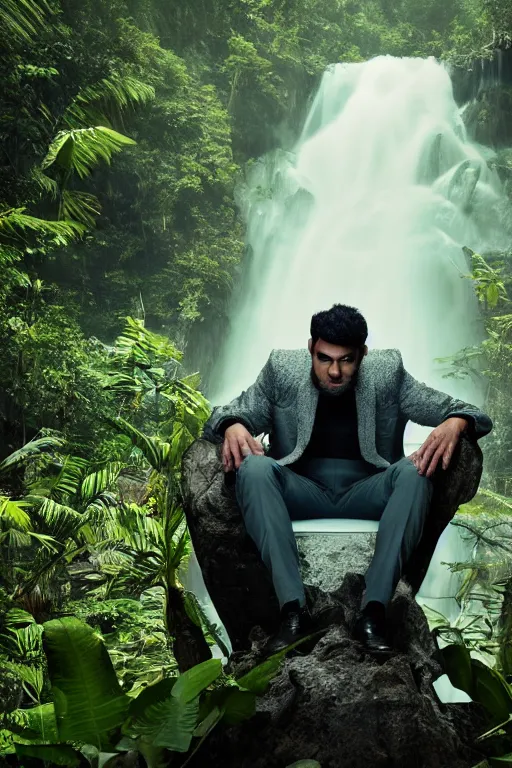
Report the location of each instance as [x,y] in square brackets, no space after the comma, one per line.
[372,634]
[296,623]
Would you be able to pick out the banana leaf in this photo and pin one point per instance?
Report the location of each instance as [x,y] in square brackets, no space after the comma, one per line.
[88,699]
[162,719]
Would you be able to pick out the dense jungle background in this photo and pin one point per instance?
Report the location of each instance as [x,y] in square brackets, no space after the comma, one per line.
[124,130]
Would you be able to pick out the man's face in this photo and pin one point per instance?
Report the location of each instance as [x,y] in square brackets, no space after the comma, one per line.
[334,368]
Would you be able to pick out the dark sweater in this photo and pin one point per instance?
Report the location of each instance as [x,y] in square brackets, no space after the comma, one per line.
[334,434]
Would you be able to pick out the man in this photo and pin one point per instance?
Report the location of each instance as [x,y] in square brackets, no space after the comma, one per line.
[336,414]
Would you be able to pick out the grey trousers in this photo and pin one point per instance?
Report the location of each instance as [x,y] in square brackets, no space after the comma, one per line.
[271,496]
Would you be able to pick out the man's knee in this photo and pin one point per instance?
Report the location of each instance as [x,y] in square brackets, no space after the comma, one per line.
[256,469]
[407,473]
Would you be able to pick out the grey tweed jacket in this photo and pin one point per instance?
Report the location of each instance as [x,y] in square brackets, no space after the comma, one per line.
[282,403]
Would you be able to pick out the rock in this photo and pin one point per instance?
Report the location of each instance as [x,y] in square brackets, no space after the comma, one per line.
[326,558]
[234,575]
[341,707]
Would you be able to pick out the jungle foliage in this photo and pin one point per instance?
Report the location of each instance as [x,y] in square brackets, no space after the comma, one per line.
[124,128]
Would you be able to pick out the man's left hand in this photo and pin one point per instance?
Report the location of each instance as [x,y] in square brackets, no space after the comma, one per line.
[439,445]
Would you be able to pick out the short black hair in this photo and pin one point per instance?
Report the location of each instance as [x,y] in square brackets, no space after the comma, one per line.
[341,325]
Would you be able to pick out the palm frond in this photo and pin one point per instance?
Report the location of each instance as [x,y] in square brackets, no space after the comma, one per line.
[67,482]
[14,223]
[15,539]
[103,479]
[180,549]
[56,520]
[156,452]
[30,449]
[96,102]
[136,337]
[22,637]
[80,206]
[173,521]
[47,185]
[82,149]
[121,382]
[13,515]
[136,529]
[22,19]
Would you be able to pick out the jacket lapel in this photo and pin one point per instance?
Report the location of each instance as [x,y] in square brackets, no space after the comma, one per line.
[366,415]
[307,399]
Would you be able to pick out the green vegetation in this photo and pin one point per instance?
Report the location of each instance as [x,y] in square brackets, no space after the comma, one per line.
[90,719]
[124,129]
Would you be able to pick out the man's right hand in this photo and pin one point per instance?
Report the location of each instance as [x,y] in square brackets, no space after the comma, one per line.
[238,443]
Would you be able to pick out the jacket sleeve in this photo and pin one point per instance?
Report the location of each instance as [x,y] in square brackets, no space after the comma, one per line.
[429,407]
[253,408]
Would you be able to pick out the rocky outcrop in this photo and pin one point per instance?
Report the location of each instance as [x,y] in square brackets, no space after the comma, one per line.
[341,707]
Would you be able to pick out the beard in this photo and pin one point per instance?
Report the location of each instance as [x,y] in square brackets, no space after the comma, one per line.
[334,392]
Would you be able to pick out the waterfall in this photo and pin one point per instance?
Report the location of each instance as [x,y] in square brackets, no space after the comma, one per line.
[372,208]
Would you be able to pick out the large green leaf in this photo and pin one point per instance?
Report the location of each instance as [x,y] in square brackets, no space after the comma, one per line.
[150,695]
[37,724]
[458,666]
[258,679]
[192,682]
[491,691]
[89,702]
[103,478]
[167,713]
[12,513]
[483,684]
[500,762]
[36,446]
[235,705]
[162,718]
[238,706]
[56,520]
[69,478]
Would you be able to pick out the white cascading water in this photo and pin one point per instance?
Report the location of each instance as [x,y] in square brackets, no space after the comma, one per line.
[372,209]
